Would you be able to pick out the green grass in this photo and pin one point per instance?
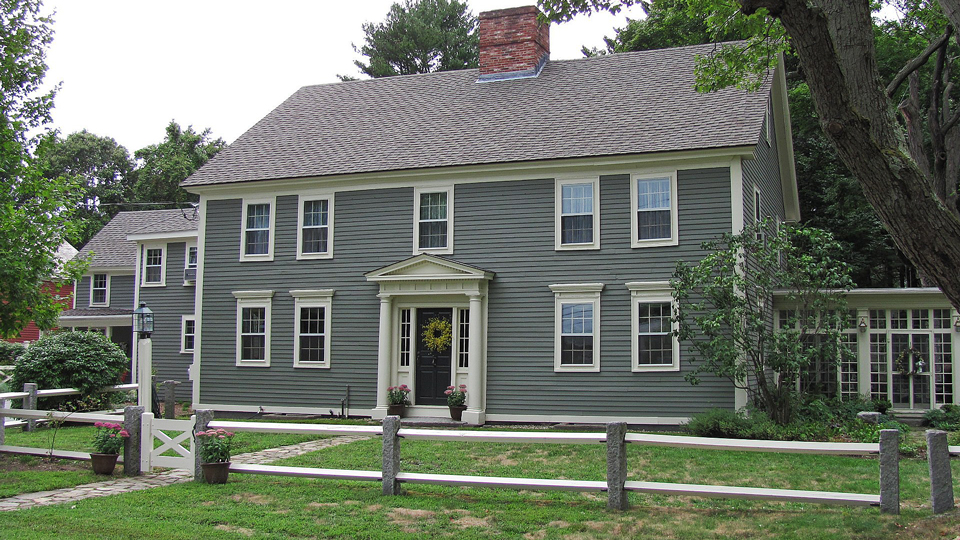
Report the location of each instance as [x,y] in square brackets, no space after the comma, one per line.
[276,507]
[30,476]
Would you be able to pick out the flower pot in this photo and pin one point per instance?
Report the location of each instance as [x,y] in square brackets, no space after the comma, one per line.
[103,463]
[456,412]
[216,473]
[395,410]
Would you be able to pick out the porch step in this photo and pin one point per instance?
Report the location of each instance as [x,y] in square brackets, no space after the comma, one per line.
[430,421]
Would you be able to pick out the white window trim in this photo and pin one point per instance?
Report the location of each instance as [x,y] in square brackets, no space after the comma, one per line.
[186,255]
[163,266]
[674,229]
[252,299]
[576,293]
[307,299]
[246,202]
[650,292]
[183,333]
[416,220]
[329,253]
[758,211]
[107,296]
[558,211]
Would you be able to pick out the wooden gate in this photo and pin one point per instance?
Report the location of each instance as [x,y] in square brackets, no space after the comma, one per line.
[171,452]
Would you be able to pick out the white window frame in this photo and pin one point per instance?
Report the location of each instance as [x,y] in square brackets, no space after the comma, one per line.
[309,299]
[327,254]
[163,266]
[183,333]
[417,191]
[634,202]
[254,299]
[558,211]
[576,293]
[186,256]
[268,256]
[650,292]
[106,296]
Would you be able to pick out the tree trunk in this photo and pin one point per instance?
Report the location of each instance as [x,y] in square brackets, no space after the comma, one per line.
[834,42]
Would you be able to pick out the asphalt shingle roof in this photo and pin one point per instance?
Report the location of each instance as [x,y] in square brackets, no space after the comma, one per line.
[627,103]
[110,247]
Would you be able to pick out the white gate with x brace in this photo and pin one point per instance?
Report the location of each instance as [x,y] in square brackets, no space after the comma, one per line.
[159,428]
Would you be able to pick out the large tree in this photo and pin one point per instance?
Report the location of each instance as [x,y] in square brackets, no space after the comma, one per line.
[911,190]
[420,36]
[34,211]
[102,170]
[161,167]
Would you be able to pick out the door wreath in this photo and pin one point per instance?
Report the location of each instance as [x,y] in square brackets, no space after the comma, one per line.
[437,334]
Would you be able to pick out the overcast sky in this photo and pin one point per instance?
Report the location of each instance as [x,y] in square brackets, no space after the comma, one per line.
[129,67]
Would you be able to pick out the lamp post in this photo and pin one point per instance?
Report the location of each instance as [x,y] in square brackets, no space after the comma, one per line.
[143,327]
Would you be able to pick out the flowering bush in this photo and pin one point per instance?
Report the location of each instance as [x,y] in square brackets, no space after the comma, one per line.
[456,396]
[109,438]
[214,445]
[398,395]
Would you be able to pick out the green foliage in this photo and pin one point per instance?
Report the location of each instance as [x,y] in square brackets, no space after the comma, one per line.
[214,445]
[946,418]
[101,170]
[109,438]
[9,352]
[87,361]
[725,310]
[420,36]
[163,166]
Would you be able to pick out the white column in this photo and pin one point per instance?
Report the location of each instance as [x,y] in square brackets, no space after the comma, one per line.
[145,372]
[863,354]
[384,355]
[474,412]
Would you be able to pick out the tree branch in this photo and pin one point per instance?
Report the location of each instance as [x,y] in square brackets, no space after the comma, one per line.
[920,60]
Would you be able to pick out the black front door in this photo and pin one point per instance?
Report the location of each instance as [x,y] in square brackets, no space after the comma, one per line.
[433,366]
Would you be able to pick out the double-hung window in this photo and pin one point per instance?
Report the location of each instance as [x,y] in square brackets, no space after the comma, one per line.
[253,327]
[154,266]
[99,290]
[654,215]
[654,348]
[433,221]
[191,257]
[256,242]
[578,214]
[188,333]
[315,233]
[190,261]
[577,315]
[312,328]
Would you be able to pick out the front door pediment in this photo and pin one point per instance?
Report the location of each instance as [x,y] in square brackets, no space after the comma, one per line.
[428,267]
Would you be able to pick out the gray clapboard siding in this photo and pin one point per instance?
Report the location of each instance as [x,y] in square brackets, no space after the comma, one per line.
[504,227]
[169,303]
[121,291]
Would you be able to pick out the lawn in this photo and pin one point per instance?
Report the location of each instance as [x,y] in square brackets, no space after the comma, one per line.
[278,507]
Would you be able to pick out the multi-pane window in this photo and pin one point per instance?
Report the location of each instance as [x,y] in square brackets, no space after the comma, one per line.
[253,333]
[463,353]
[312,337]
[432,223]
[189,334]
[98,292]
[405,341]
[191,257]
[153,265]
[315,227]
[654,339]
[257,229]
[577,343]
[577,215]
[654,208]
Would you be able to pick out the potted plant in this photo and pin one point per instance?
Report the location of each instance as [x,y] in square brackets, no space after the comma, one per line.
[398,398]
[457,401]
[107,444]
[214,447]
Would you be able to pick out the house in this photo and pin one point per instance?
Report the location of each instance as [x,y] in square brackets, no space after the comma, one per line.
[532,209]
[63,293]
[143,256]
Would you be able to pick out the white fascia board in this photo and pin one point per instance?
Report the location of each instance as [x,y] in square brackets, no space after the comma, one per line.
[181,236]
[96,320]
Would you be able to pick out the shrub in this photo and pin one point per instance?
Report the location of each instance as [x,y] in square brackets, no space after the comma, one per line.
[9,352]
[87,361]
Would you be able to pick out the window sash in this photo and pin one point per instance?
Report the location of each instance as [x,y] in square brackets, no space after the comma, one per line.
[432,221]
[253,333]
[653,206]
[576,333]
[192,257]
[576,213]
[257,229]
[312,337]
[189,334]
[654,335]
[98,284]
[153,266]
[315,229]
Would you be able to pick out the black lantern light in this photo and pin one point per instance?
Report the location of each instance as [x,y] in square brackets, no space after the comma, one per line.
[143,320]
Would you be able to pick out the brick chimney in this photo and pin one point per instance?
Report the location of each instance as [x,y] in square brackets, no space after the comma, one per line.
[513,43]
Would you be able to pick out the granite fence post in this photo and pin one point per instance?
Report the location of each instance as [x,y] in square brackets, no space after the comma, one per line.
[616,465]
[941,478]
[30,402]
[391,455]
[889,471]
[132,422]
[204,417]
[169,399]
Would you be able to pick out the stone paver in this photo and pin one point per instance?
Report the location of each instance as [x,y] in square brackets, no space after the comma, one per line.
[166,478]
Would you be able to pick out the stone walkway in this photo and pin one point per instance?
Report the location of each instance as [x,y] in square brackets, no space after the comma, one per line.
[166,478]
